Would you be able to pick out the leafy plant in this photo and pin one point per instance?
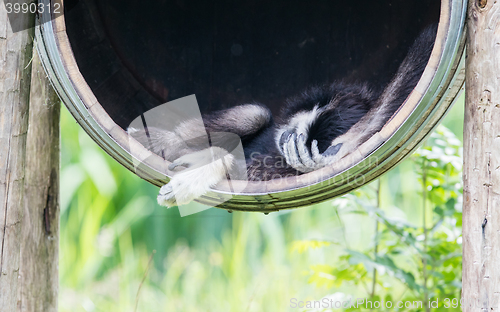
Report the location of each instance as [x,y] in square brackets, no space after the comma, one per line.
[406,261]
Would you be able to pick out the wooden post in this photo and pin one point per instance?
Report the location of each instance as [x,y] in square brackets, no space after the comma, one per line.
[481,209]
[29,174]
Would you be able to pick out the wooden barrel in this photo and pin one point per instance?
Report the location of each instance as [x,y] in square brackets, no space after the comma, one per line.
[112,60]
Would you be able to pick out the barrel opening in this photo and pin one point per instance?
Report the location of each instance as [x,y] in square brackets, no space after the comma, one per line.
[113,61]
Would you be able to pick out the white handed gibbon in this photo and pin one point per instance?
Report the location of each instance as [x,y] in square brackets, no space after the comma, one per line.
[315,129]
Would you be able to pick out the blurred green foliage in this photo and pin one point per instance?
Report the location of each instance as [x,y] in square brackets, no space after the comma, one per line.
[396,239]
[406,262]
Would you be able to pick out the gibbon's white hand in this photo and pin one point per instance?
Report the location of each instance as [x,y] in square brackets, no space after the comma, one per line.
[298,156]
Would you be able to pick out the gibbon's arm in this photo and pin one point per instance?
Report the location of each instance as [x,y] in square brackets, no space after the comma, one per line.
[202,156]
[293,144]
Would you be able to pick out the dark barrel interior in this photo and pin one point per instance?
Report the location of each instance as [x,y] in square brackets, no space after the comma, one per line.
[136,55]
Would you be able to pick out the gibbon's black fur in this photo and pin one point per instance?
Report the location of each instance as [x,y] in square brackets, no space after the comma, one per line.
[314,129]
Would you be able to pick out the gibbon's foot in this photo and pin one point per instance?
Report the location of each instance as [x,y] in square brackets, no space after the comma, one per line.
[166,196]
[202,171]
[298,156]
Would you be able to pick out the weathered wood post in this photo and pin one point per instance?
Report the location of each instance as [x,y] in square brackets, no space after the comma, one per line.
[29,175]
[481,214]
